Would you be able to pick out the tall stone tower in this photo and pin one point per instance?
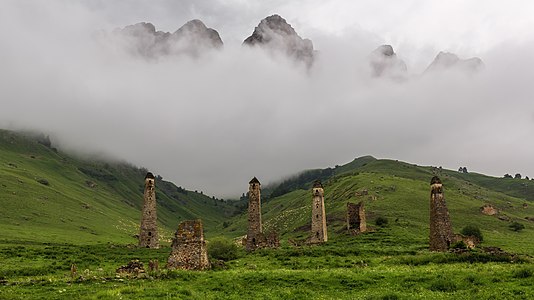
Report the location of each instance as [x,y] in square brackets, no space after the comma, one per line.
[318,224]
[441,235]
[255,232]
[148,235]
[189,250]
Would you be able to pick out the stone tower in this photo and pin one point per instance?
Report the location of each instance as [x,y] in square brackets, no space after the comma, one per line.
[255,232]
[441,235]
[189,248]
[318,224]
[356,222]
[148,236]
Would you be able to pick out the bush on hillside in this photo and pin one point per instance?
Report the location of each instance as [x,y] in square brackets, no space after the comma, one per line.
[381,221]
[515,226]
[472,230]
[43,181]
[222,249]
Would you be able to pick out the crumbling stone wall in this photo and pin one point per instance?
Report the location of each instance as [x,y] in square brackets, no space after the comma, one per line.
[148,235]
[470,241]
[441,236]
[189,250]
[318,223]
[356,222]
[133,268]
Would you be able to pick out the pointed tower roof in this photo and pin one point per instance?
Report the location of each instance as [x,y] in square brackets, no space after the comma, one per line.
[434,180]
[317,184]
[254,180]
[149,175]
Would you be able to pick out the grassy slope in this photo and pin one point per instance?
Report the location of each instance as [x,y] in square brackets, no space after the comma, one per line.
[68,210]
[400,192]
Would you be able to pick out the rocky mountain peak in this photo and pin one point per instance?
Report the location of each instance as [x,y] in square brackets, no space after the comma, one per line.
[276,34]
[384,62]
[197,33]
[192,38]
[385,50]
[447,60]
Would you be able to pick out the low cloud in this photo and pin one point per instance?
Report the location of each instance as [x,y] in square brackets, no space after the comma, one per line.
[213,122]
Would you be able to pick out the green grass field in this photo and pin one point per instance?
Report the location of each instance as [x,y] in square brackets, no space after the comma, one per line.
[379,265]
[59,210]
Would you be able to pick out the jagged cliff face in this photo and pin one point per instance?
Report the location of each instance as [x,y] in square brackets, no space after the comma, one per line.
[384,62]
[193,38]
[448,61]
[275,34]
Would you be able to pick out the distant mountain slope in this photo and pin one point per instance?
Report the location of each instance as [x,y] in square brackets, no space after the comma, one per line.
[400,192]
[49,196]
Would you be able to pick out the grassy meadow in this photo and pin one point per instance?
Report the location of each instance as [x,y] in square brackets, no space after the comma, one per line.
[377,265]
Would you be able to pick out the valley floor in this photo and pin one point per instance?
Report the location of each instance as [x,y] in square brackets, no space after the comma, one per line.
[377,265]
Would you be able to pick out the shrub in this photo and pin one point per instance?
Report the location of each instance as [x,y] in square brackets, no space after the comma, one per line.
[472,230]
[381,221]
[459,245]
[515,226]
[443,285]
[223,249]
[390,297]
[523,273]
[43,182]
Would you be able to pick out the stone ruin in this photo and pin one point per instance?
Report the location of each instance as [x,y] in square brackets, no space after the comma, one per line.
[189,250]
[133,268]
[148,235]
[470,241]
[255,237]
[356,222]
[441,236]
[318,223]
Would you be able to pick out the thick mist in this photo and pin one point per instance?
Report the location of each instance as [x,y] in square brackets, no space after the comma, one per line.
[213,122]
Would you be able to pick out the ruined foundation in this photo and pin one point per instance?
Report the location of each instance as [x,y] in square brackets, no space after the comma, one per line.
[148,235]
[318,223]
[441,236]
[356,222]
[189,250]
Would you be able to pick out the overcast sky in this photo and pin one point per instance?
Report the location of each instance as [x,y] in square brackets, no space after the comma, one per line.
[213,123]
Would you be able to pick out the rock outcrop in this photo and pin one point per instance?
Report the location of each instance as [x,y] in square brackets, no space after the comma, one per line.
[385,62]
[192,38]
[275,34]
[451,61]
[489,210]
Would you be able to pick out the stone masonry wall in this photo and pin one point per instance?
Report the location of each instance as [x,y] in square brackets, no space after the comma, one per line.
[441,236]
[148,235]
[356,221]
[189,250]
[255,231]
[318,223]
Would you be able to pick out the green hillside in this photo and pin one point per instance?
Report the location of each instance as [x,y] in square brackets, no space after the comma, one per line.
[49,196]
[58,210]
[400,192]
